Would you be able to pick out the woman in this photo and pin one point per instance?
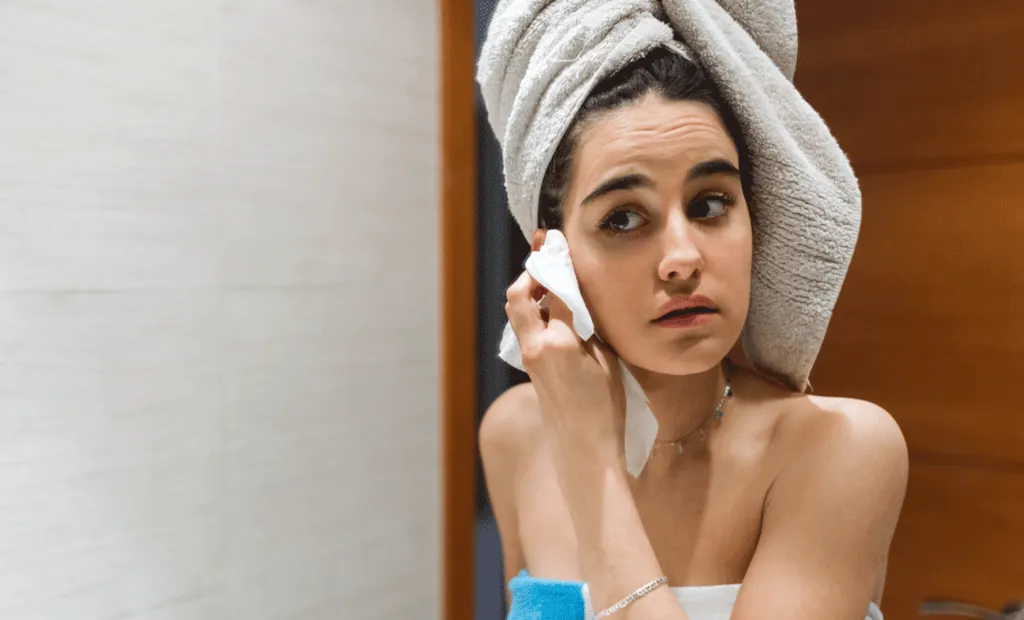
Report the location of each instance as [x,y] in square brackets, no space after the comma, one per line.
[783,506]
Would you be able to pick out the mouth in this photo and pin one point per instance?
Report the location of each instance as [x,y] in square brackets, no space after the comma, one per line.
[686,312]
[686,318]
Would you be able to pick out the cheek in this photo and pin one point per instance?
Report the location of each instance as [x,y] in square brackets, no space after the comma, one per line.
[611,289]
[732,270]
[739,260]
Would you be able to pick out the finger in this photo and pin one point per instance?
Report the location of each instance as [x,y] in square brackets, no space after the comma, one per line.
[522,309]
[559,323]
[558,310]
[607,356]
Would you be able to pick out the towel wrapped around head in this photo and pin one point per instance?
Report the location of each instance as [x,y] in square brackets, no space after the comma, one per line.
[541,59]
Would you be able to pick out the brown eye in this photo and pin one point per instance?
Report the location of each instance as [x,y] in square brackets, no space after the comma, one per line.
[619,221]
[709,206]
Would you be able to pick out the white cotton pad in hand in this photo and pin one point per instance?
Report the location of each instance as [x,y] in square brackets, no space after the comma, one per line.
[551,267]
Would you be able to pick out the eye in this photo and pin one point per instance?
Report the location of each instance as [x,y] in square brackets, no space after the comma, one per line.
[619,221]
[709,206]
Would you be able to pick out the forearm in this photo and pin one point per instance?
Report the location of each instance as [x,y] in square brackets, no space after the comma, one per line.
[615,555]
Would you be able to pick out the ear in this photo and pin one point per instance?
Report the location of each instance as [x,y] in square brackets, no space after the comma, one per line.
[537,239]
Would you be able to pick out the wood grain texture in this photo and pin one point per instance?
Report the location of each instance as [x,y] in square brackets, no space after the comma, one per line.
[458,266]
[930,323]
[960,538]
[925,95]
[923,81]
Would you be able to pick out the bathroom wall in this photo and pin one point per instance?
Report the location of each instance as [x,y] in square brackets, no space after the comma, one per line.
[219,310]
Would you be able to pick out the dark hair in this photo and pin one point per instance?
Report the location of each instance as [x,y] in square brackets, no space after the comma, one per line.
[661,71]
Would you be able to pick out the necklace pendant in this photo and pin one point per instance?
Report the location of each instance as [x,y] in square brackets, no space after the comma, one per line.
[679,448]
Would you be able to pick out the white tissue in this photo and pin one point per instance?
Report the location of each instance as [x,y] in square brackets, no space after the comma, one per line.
[551,266]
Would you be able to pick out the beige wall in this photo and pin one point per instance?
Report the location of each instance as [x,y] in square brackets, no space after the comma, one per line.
[218,310]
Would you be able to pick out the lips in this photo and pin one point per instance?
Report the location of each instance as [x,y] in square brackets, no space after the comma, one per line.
[686,307]
[687,312]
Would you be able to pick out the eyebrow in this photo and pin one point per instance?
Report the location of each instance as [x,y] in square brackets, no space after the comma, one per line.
[616,184]
[702,170]
[711,168]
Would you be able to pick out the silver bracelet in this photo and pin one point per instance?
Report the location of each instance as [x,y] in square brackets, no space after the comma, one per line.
[647,589]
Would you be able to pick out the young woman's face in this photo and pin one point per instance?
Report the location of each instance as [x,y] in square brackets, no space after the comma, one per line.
[655,212]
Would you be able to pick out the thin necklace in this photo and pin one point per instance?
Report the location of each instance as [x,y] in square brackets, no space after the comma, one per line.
[699,432]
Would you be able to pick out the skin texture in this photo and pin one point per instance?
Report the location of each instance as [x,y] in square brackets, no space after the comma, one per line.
[795,496]
[625,278]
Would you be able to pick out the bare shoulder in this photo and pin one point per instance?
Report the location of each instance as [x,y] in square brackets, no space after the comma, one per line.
[510,426]
[846,439]
[856,427]
[806,429]
[838,481]
[510,434]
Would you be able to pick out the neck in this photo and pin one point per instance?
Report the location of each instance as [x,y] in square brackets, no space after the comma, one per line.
[681,403]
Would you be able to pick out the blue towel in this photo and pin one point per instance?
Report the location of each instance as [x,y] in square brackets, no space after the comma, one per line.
[545,599]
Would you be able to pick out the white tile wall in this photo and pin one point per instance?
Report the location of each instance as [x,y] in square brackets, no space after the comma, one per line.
[218,310]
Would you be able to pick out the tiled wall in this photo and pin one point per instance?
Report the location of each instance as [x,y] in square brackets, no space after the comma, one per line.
[219,310]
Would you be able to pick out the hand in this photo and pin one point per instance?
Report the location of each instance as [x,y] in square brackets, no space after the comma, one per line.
[578,384]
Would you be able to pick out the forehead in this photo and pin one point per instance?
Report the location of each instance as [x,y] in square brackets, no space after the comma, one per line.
[653,133]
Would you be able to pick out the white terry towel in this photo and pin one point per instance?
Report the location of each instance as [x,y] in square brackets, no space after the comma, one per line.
[542,57]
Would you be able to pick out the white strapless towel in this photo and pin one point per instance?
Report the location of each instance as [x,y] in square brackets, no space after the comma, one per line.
[710,602]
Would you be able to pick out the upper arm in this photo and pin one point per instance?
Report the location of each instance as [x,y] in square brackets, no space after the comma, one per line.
[829,519]
[505,430]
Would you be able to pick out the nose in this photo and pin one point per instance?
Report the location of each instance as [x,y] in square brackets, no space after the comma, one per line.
[682,260]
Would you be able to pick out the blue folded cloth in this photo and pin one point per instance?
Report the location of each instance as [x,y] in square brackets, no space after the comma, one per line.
[545,599]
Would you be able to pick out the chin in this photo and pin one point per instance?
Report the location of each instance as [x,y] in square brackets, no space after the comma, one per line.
[682,357]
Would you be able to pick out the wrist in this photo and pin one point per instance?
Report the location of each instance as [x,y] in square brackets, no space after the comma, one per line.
[587,461]
[613,548]
[597,492]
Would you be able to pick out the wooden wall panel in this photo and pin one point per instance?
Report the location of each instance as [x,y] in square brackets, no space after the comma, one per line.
[458,313]
[916,80]
[930,323]
[926,96]
[961,538]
